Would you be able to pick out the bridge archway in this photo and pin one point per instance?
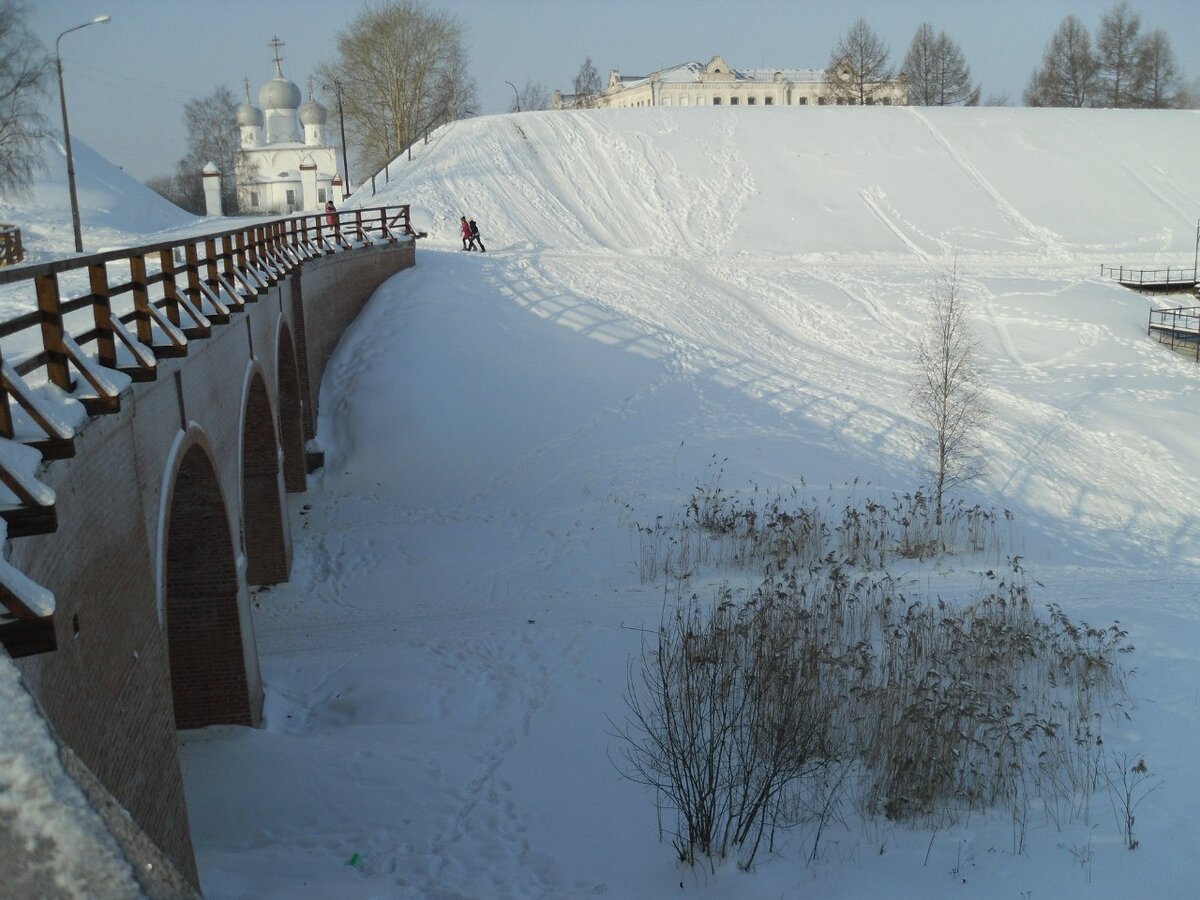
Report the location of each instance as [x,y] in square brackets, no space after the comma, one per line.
[210,641]
[291,422]
[267,551]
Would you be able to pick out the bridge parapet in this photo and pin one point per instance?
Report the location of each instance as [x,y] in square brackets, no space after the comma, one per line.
[146,513]
[98,322]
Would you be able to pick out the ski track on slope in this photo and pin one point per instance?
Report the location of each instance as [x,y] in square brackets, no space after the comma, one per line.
[874,197]
[822,342]
[1040,236]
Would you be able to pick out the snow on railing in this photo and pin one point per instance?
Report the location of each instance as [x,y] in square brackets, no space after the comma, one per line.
[97,322]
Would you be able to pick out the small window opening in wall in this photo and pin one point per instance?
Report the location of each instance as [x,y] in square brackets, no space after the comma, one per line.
[803,101]
[716,101]
[75,625]
[750,101]
[733,101]
[770,101]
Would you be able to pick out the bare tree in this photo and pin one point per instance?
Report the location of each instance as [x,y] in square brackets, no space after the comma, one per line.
[24,67]
[1117,56]
[586,85]
[403,71]
[1158,76]
[533,96]
[937,72]
[1067,76]
[213,136]
[947,390]
[859,70]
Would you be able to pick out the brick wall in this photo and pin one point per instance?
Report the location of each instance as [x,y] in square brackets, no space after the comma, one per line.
[146,562]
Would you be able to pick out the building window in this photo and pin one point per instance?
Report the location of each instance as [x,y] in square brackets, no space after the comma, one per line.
[770,101]
[291,199]
[254,198]
[733,101]
[802,101]
[716,101]
[822,101]
[750,101]
[321,195]
[887,101]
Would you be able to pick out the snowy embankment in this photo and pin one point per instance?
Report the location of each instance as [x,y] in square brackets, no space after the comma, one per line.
[668,294]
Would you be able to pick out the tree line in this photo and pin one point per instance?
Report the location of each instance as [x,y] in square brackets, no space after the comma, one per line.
[401,70]
[1125,67]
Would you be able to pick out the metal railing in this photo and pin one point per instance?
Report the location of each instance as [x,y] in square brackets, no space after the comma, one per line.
[1180,328]
[1158,277]
[11,251]
[95,315]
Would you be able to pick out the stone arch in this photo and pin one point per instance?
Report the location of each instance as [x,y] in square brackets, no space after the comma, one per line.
[291,413]
[268,552]
[210,638]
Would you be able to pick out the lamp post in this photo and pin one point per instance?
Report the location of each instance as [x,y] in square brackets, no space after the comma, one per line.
[338,90]
[62,97]
[515,94]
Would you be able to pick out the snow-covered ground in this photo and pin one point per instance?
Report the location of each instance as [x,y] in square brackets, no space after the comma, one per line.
[667,293]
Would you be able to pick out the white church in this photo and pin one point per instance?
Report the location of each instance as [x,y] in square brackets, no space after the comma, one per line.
[285,163]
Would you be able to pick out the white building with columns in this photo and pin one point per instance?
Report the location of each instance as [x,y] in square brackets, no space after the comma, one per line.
[719,84]
[285,163]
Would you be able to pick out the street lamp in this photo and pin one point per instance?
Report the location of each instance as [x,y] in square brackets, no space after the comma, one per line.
[62,97]
[338,89]
[515,94]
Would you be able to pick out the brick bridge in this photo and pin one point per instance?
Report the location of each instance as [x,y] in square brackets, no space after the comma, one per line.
[171,391]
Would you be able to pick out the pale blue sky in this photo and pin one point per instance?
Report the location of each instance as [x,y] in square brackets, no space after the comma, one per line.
[127,81]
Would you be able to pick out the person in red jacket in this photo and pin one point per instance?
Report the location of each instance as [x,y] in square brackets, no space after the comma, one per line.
[466,232]
[330,214]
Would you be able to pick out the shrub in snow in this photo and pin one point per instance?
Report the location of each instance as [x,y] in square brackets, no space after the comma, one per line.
[743,711]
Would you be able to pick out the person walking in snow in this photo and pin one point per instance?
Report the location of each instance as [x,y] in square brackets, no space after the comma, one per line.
[466,232]
[475,237]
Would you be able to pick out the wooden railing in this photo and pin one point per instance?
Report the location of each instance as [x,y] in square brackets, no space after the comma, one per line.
[11,251]
[97,321]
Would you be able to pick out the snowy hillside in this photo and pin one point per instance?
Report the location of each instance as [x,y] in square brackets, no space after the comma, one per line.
[115,209]
[668,294]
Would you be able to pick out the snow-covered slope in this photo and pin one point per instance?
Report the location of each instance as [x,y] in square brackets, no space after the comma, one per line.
[115,209]
[666,294]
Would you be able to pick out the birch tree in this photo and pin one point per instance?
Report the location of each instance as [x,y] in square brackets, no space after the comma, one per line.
[859,69]
[403,70]
[947,389]
[586,85]
[24,69]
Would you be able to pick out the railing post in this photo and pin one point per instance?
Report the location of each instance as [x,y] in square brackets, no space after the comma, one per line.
[141,298]
[166,261]
[192,265]
[106,348]
[52,330]
[6,422]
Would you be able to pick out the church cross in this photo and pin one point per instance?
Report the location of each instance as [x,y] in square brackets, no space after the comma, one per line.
[275,43]
[246,82]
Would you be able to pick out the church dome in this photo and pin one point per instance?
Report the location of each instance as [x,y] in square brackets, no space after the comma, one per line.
[279,93]
[313,113]
[249,114]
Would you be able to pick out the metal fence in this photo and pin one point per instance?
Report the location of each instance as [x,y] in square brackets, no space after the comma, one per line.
[1169,277]
[1179,328]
